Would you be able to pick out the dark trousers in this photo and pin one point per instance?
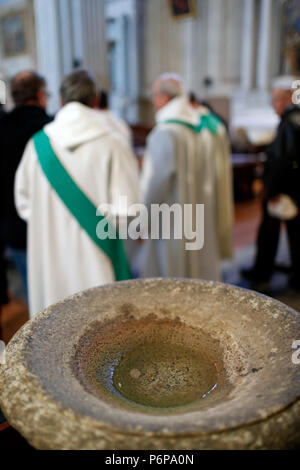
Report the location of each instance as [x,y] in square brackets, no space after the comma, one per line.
[3,284]
[267,245]
[18,255]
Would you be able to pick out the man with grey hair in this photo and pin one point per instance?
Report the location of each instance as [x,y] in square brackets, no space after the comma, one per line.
[281,178]
[167,87]
[68,171]
[79,87]
[179,167]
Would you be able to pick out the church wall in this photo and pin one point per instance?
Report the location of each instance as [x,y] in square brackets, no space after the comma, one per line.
[124,35]
[201,48]
[94,39]
[230,51]
[70,34]
[15,57]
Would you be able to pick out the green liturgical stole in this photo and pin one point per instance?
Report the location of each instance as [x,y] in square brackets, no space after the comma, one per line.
[80,206]
[208,121]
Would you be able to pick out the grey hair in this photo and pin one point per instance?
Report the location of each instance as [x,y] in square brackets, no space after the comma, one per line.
[79,86]
[284,82]
[171,84]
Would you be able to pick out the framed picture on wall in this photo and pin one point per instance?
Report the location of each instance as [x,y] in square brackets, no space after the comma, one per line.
[181,9]
[13,35]
[290,63]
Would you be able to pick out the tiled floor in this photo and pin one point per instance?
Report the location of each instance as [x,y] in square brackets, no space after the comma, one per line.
[247,219]
[15,314]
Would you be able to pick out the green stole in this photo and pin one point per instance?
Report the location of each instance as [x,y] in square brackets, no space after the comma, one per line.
[79,205]
[207,121]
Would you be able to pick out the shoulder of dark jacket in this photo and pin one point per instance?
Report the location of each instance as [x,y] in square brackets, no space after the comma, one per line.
[292,116]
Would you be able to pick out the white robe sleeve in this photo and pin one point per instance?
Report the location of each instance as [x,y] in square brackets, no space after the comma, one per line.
[159,167]
[124,179]
[225,199]
[22,182]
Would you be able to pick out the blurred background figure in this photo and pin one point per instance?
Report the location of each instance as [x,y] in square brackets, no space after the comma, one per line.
[219,148]
[30,96]
[117,125]
[281,177]
[64,256]
[181,166]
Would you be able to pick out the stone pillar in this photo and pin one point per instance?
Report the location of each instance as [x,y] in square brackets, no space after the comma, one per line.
[248,46]
[49,51]
[77,28]
[70,33]
[66,35]
[215,45]
[265,45]
[94,39]
[136,40]
[126,20]
[192,59]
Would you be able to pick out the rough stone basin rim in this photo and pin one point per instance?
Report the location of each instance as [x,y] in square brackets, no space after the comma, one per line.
[156,364]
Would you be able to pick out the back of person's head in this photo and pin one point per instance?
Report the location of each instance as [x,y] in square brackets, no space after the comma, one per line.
[170,84]
[103,100]
[80,87]
[28,87]
[166,88]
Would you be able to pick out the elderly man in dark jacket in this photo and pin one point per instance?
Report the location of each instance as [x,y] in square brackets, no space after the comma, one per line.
[3,278]
[282,176]
[30,96]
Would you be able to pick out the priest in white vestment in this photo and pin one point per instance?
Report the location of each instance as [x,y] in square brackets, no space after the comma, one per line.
[62,257]
[186,165]
[219,146]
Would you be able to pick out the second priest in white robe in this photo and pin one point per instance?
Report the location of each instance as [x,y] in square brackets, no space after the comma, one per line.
[186,167]
[62,259]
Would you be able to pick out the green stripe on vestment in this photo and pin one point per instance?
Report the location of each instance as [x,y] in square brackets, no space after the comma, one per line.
[80,206]
[207,121]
